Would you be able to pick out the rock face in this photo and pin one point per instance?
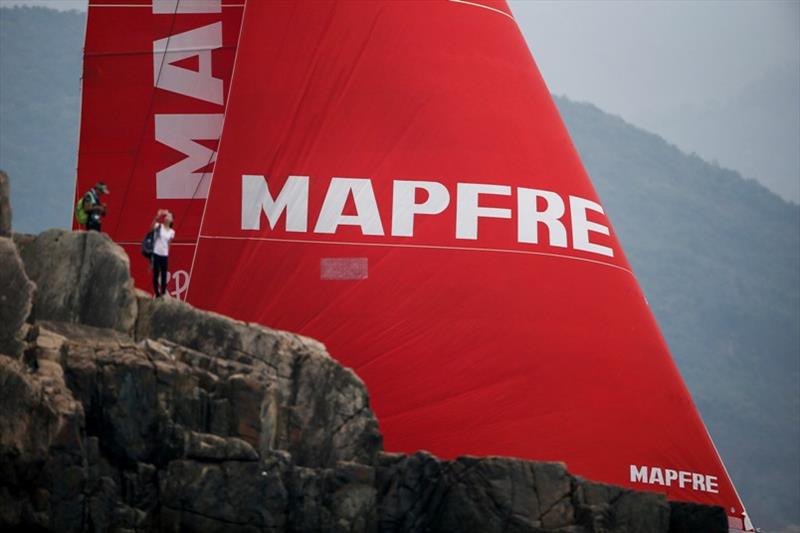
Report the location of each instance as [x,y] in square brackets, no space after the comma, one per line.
[123,413]
[5,206]
[109,433]
[275,380]
[421,493]
[81,277]
[157,436]
[16,292]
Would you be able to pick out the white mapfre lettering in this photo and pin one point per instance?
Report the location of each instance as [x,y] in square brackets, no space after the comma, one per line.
[530,217]
[199,42]
[331,216]
[581,226]
[638,474]
[293,199]
[178,7]
[468,211]
[404,206]
[180,132]
[667,477]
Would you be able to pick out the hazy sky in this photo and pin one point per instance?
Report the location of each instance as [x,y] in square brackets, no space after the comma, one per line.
[56,4]
[720,78]
[630,57]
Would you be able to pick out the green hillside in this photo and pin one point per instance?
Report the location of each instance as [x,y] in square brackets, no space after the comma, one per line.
[718,256]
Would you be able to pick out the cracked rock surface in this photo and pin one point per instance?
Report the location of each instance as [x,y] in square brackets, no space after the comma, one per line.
[16,292]
[122,413]
[80,277]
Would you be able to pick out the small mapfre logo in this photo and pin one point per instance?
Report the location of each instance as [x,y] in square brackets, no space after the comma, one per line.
[668,477]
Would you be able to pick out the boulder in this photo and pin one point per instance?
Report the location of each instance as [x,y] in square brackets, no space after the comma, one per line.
[410,491]
[155,400]
[499,494]
[610,508]
[270,495]
[274,378]
[44,478]
[16,294]
[687,517]
[82,277]
[198,496]
[36,411]
[5,206]
[209,447]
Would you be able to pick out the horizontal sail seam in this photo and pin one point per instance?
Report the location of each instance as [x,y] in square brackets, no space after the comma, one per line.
[422,246]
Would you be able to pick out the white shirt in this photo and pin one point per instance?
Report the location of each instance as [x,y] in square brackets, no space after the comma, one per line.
[164,236]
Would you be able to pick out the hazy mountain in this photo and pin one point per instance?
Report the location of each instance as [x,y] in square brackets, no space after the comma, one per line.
[719,259]
[718,255]
[40,71]
[760,130]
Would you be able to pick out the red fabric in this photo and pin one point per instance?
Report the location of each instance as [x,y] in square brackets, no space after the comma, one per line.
[486,346]
[117,133]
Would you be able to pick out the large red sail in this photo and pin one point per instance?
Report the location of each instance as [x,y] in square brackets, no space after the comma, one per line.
[395,180]
[155,79]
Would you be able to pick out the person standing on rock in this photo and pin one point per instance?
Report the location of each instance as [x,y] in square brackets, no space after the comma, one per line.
[93,207]
[162,226]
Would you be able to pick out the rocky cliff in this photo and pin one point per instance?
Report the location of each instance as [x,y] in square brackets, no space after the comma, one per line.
[123,413]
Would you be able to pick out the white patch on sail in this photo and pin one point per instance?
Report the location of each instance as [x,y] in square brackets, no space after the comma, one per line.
[343,268]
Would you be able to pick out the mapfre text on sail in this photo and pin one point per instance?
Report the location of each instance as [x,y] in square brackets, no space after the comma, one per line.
[536,209]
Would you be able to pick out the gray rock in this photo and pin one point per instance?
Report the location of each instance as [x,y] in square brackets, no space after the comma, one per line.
[610,508]
[41,435]
[5,206]
[495,494]
[410,491]
[687,517]
[36,410]
[227,496]
[81,277]
[348,499]
[144,396]
[16,292]
[277,403]
[208,447]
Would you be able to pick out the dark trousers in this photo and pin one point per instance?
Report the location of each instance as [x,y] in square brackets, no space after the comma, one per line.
[93,224]
[159,274]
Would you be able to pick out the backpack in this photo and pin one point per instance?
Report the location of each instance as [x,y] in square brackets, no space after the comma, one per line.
[80,213]
[148,242]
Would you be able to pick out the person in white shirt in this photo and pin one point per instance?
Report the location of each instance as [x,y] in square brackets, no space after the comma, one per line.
[162,225]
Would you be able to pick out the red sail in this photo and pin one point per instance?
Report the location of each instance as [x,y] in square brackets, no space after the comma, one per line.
[155,79]
[395,180]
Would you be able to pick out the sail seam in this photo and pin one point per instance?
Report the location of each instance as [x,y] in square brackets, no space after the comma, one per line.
[148,6]
[420,246]
[475,4]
